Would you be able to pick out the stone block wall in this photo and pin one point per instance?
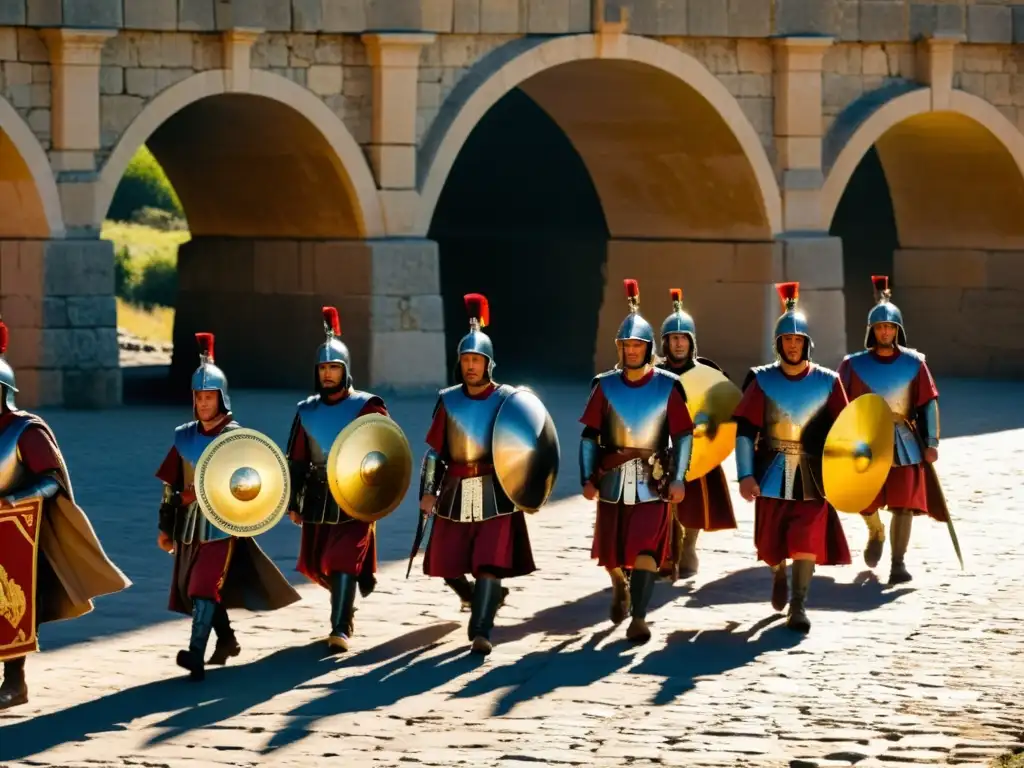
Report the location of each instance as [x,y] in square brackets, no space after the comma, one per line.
[262,300]
[25,78]
[963,309]
[57,298]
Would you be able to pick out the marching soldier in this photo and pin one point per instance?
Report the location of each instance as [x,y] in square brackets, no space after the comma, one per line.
[477,528]
[626,463]
[213,571]
[887,367]
[787,409]
[707,505]
[52,566]
[337,551]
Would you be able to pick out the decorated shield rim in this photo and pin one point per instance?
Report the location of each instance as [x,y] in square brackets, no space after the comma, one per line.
[548,419]
[204,502]
[354,426]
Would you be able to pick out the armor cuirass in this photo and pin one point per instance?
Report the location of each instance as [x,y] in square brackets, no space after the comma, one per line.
[322,423]
[470,423]
[190,444]
[12,471]
[637,416]
[892,380]
[792,404]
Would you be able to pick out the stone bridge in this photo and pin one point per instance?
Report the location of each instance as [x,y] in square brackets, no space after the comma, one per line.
[388,156]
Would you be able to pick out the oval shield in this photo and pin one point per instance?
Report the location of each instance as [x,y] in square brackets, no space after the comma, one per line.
[525,450]
[242,483]
[369,468]
[711,399]
[858,454]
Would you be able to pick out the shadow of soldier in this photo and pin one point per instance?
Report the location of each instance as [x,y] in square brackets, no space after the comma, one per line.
[547,670]
[689,655]
[224,694]
[413,673]
[754,585]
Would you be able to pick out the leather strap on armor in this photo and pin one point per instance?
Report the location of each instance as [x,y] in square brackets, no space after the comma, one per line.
[431,474]
[297,473]
[931,423]
[744,457]
[45,487]
[682,449]
[588,460]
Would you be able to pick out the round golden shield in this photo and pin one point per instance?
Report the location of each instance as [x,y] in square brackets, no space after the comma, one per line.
[858,454]
[711,399]
[242,482]
[369,467]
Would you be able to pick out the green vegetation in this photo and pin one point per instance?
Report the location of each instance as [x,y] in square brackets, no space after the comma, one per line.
[144,185]
[1012,760]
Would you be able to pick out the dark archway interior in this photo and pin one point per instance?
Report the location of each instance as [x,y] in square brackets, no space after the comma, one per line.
[520,221]
[866,223]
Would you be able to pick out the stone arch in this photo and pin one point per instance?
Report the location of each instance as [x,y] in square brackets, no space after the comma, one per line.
[345,156]
[971,179]
[29,201]
[520,61]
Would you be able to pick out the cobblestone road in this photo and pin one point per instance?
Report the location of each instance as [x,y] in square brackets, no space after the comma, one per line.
[931,672]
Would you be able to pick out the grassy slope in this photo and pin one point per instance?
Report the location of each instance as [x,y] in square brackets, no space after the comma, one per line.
[144,243]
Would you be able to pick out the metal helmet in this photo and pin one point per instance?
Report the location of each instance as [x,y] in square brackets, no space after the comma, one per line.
[208,377]
[679,322]
[634,327]
[6,372]
[333,350]
[792,321]
[476,341]
[884,311]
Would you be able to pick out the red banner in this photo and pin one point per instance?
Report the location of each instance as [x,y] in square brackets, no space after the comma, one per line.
[19,548]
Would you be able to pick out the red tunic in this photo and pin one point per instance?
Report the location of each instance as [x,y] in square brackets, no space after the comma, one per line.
[785,528]
[499,546]
[905,487]
[200,570]
[707,505]
[349,547]
[624,532]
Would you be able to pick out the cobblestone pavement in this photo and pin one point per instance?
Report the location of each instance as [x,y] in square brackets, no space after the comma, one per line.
[930,672]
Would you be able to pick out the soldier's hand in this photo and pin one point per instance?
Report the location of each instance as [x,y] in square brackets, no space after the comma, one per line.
[165,542]
[427,504]
[589,491]
[749,489]
[931,455]
[676,492]
[295,517]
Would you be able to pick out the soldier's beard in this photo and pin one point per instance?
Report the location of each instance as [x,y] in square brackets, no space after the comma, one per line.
[678,362]
[332,390]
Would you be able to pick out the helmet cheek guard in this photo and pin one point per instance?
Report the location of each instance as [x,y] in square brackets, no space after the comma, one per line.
[792,322]
[333,350]
[884,311]
[634,327]
[208,377]
[476,342]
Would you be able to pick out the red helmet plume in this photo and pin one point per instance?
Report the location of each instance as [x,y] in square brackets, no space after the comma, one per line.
[332,323]
[205,342]
[881,284]
[478,308]
[5,336]
[676,294]
[789,293]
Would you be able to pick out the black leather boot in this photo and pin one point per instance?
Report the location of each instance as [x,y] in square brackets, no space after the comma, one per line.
[14,690]
[899,540]
[620,596]
[876,539]
[641,587]
[780,587]
[797,619]
[462,587]
[486,598]
[343,597]
[689,563]
[227,644]
[203,611]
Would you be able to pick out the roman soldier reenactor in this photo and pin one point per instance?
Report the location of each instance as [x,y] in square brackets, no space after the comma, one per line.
[889,368]
[52,566]
[782,421]
[707,505]
[337,551]
[213,571]
[476,529]
[629,465]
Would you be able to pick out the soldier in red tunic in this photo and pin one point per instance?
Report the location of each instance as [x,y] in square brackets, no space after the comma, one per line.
[477,529]
[707,505]
[889,368]
[337,552]
[213,571]
[636,427]
[782,421]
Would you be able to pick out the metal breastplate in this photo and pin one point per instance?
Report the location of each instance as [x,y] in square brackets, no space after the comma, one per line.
[12,471]
[637,416]
[322,423]
[790,408]
[894,382]
[470,423]
[190,444]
